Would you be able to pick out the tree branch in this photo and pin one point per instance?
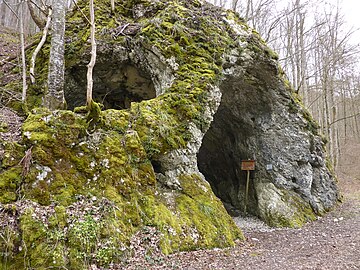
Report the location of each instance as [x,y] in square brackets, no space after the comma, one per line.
[7,4]
[12,57]
[39,46]
[93,56]
[81,12]
[40,22]
[344,118]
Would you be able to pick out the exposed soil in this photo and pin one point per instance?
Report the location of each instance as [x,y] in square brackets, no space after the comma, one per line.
[10,125]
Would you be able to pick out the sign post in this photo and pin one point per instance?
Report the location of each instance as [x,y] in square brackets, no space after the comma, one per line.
[247,165]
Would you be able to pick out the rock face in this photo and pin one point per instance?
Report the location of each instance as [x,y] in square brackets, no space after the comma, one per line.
[260,118]
[189,91]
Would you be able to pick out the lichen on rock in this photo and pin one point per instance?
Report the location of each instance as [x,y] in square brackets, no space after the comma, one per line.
[185,86]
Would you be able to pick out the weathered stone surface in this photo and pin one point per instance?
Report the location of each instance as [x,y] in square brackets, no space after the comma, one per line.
[260,118]
[188,93]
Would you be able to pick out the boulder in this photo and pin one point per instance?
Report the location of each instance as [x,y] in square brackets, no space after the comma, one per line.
[189,91]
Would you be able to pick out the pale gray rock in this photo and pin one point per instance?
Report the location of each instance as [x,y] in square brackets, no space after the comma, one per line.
[250,114]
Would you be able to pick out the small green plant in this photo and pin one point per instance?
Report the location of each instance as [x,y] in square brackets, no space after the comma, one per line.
[3,127]
[7,244]
[84,236]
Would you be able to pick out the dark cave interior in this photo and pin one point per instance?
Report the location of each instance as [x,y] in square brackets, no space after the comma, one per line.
[232,137]
[116,85]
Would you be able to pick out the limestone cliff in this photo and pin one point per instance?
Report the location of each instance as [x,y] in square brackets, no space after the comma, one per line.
[189,91]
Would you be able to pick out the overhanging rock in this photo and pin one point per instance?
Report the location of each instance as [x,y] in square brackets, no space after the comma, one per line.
[189,91]
[260,118]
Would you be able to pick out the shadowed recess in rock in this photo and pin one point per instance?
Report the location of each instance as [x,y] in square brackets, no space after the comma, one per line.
[232,138]
[116,85]
[219,159]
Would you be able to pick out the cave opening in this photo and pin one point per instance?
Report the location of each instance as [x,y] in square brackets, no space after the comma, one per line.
[232,137]
[116,85]
[219,160]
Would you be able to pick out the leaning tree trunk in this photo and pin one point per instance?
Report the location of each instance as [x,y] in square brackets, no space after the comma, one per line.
[93,56]
[39,46]
[37,18]
[54,98]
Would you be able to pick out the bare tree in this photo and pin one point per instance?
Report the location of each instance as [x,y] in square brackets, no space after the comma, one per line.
[112,2]
[19,15]
[39,46]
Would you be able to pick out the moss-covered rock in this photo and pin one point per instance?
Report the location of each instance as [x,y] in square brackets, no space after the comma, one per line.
[90,183]
[90,192]
[79,186]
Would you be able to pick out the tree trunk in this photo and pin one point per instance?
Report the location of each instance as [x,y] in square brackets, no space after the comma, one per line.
[355,111]
[23,58]
[344,100]
[54,98]
[93,56]
[40,22]
[3,14]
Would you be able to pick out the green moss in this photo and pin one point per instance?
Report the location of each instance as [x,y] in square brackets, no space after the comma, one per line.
[209,209]
[58,220]
[10,181]
[94,114]
[296,105]
[170,226]
[330,165]
[3,127]
[65,191]
[302,213]
[107,154]
[9,240]
[54,131]
[14,152]
[34,241]
[195,219]
[272,54]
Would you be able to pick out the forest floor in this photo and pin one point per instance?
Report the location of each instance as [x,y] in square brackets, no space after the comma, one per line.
[331,242]
[9,50]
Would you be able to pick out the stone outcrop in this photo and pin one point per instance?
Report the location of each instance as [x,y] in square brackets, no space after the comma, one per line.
[260,118]
[189,91]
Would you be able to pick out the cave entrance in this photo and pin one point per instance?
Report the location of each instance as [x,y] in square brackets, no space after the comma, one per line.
[232,137]
[116,85]
[219,160]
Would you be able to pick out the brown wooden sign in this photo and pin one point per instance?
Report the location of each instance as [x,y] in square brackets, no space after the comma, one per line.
[248,165]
